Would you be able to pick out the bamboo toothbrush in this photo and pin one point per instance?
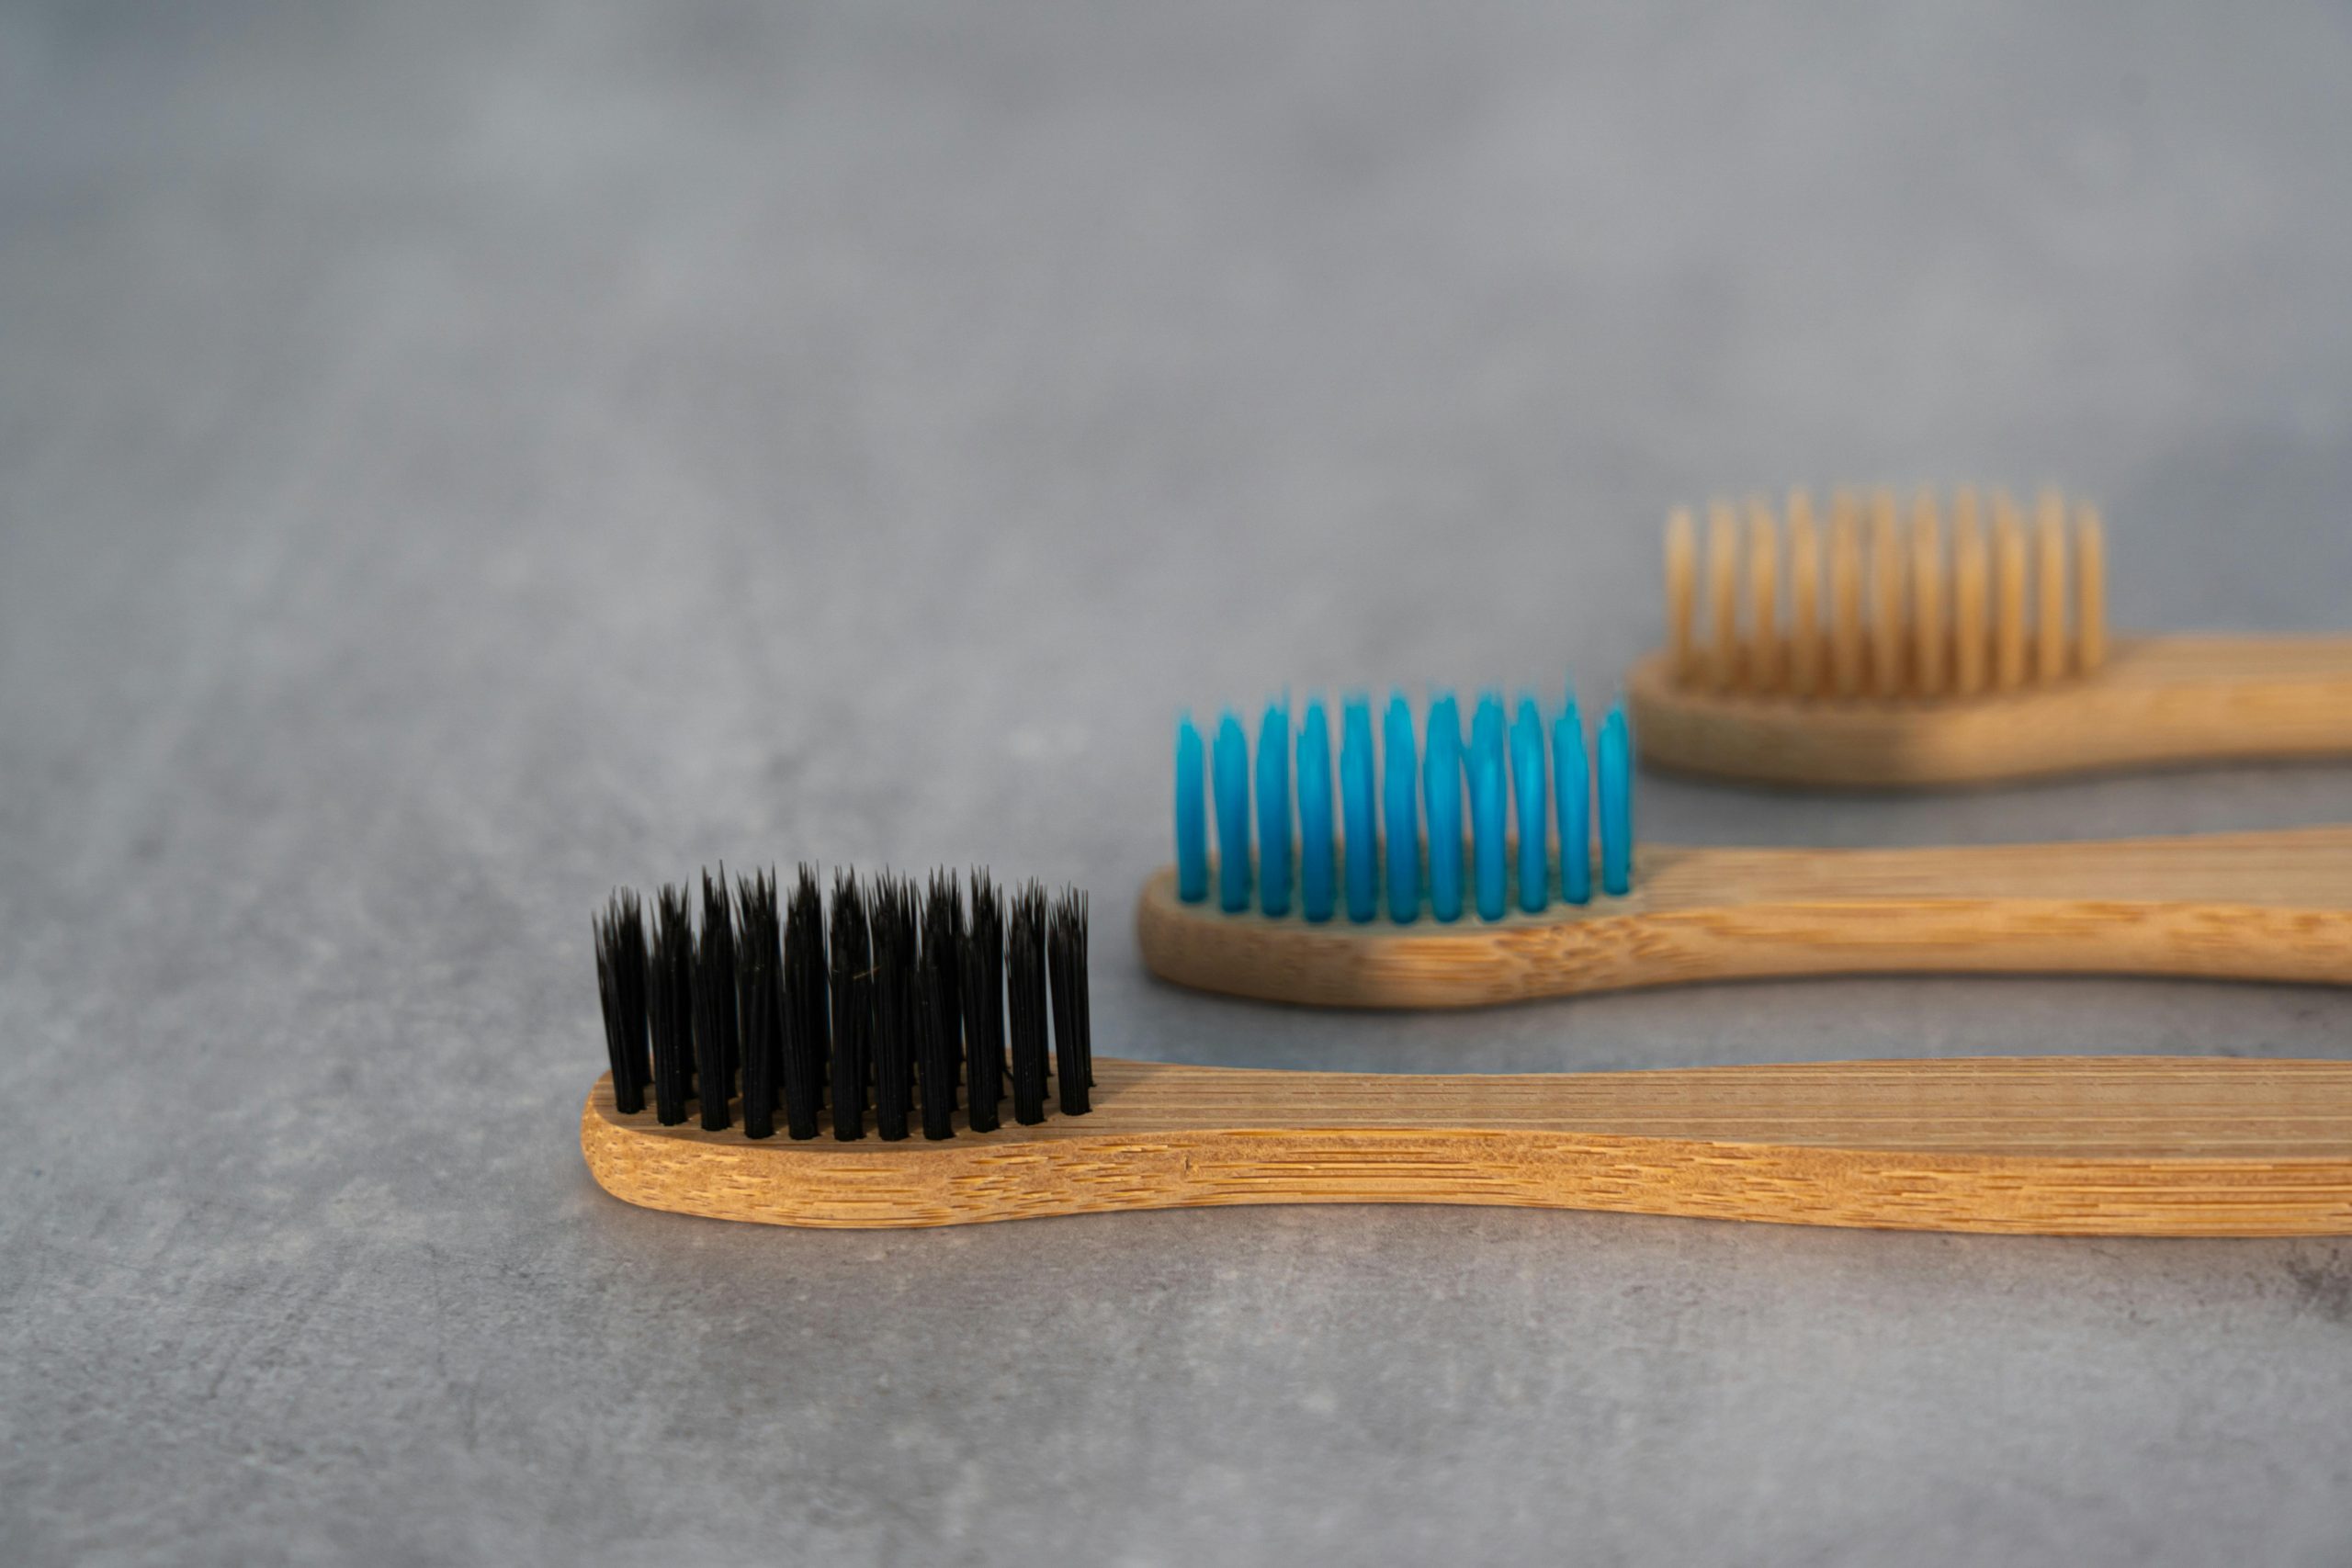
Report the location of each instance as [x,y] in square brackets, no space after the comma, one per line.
[929,1011]
[1811,657]
[1346,919]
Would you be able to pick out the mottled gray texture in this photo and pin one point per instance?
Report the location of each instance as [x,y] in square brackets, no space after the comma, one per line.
[457,456]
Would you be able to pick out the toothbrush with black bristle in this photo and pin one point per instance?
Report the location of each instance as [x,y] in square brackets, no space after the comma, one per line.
[903,1008]
[1456,872]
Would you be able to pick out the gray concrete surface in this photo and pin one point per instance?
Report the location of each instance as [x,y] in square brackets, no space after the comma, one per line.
[455,457]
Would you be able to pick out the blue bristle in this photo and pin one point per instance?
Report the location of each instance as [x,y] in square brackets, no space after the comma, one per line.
[1572,803]
[1441,786]
[1490,805]
[1486,727]
[1534,806]
[1615,768]
[1192,816]
[1488,818]
[1504,759]
[1315,869]
[1273,809]
[1232,765]
[1403,822]
[1360,803]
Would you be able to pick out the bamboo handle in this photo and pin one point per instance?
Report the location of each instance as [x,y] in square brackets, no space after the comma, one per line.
[2269,905]
[2153,701]
[2049,1146]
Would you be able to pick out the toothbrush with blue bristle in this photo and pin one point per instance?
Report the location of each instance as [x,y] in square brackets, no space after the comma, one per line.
[1451,865]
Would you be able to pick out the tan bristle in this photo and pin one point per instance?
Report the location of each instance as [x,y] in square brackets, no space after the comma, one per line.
[1845,595]
[1723,596]
[1929,643]
[2008,594]
[1681,592]
[1804,597]
[2049,581]
[1890,623]
[1968,630]
[1875,603]
[1763,598]
[2090,596]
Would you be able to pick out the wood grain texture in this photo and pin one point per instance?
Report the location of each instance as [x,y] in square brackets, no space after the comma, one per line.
[2269,906]
[2154,700]
[2048,1146]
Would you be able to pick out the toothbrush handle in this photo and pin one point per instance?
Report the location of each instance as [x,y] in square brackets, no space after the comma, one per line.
[2267,906]
[2048,1146]
[2156,701]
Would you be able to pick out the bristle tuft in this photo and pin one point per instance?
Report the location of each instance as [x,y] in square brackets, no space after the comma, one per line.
[2090,590]
[890,908]
[1572,800]
[1971,574]
[1489,791]
[1890,607]
[1723,596]
[1804,598]
[1360,803]
[1231,766]
[1024,986]
[1317,870]
[2049,581]
[759,979]
[620,983]
[983,1003]
[852,984]
[1929,643]
[939,1054]
[1442,766]
[1398,814]
[1614,765]
[714,1005]
[669,1005]
[1192,816]
[1273,810]
[2008,594]
[1073,1034]
[1762,665]
[808,1035]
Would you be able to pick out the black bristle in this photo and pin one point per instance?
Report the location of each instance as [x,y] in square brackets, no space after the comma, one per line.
[1024,991]
[807,1038]
[716,1024]
[853,999]
[1073,1037]
[940,1042]
[905,997]
[892,907]
[934,1064]
[910,983]
[759,978]
[669,1004]
[943,933]
[982,1004]
[621,983]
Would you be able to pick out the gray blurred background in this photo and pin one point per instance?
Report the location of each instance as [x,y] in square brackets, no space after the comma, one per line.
[455,457]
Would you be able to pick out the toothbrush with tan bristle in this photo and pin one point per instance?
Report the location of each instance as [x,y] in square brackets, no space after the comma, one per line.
[1869,652]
